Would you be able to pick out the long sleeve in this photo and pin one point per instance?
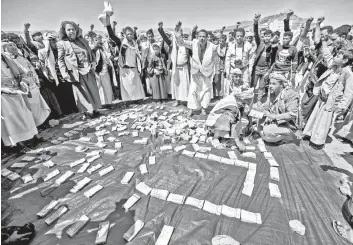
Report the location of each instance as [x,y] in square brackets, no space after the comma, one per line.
[295,60]
[135,35]
[193,34]
[326,54]
[164,36]
[150,68]
[29,43]
[216,57]
[286,25]
[347,94]
[273,55]
[292,106]
[256,33]
[227,61]
[182,42]
[61,60]
[113,36]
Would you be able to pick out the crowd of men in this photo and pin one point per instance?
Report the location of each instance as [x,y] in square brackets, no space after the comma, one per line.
[281,82]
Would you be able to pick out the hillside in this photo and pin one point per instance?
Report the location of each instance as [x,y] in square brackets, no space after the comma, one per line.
[275,22]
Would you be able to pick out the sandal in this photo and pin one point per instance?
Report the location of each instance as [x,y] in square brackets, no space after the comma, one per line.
[336,223]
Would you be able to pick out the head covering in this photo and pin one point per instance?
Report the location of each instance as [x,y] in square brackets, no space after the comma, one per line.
[62,34]
[249,34]
[150,31]
[279,77]
[236,71]
[37,33]
[185,35]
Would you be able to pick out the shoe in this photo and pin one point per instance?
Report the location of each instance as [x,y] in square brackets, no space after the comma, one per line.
[176,103]
[203,112]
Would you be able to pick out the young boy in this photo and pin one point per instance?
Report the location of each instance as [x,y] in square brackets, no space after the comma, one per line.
[157,73]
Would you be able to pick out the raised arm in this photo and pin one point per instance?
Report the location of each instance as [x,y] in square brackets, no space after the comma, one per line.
[179,38]
[307,27]
[222,30]
[135,33]
[286,20]
[163,35]
[112,34]
[347,94]
[256,29]
[28,39]
[194,32]
[317,39]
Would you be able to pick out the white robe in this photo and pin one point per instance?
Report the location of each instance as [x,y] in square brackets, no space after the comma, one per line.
[180,77]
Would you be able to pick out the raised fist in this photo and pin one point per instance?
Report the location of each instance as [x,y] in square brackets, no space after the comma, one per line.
[160,24]
[290,13]
[135,28]
[320,20]
[115,23]
[257,17]
[27,25]
[178,26]
[310,20]
[223,28]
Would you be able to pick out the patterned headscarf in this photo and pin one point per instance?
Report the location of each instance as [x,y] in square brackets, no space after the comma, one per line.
[62,34]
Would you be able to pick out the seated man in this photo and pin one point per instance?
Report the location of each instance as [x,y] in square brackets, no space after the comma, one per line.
[225,118]
[280,111]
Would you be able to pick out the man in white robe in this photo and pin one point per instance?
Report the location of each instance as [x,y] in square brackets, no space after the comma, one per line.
[180,74]
[203,64]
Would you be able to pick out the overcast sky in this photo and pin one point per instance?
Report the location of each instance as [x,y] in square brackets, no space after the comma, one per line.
[145,14]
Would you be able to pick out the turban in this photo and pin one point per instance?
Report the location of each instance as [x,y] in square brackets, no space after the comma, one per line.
[279,77]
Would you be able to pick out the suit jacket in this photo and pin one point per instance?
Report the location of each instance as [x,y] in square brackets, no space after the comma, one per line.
[67,58]
[210,60]
[47,59]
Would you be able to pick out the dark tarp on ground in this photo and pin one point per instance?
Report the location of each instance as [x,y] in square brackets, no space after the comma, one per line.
[308,194]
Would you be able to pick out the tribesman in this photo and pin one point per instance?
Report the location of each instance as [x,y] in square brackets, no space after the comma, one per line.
[203,64]
[180,77]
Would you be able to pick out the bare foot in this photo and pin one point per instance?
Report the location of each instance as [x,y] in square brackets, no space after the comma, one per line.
[190,113]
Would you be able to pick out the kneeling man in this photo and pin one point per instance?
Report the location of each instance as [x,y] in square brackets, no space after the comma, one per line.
[280,111]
